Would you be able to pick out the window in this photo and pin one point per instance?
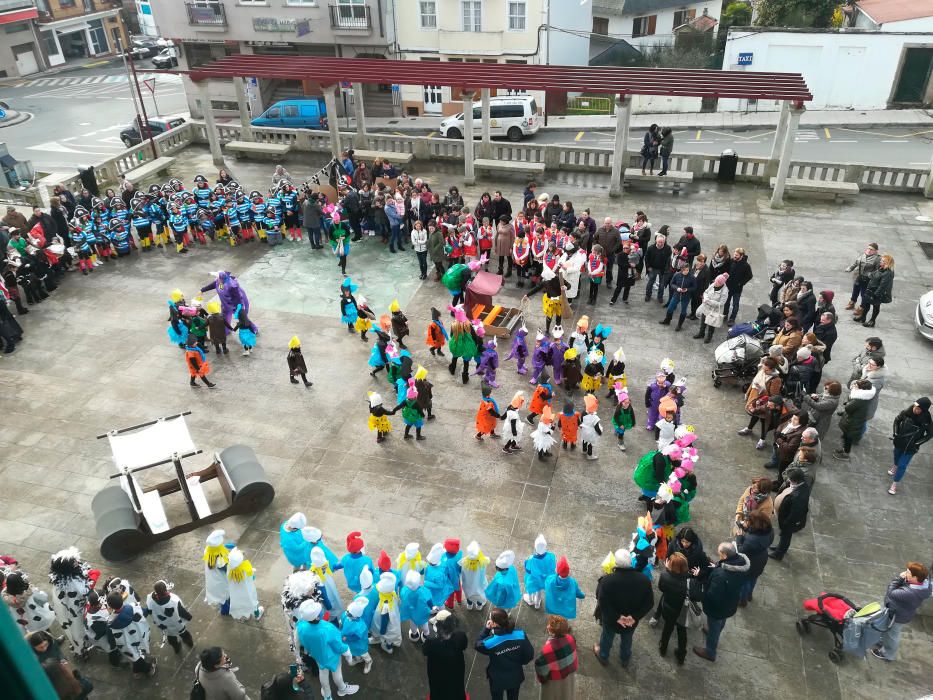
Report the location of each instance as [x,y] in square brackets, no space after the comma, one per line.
[507,112]
[683,16]
[291,111]
[272,113]
[51,48]
[16,27]
[472,15]
[601,25]
[428,11]
[517,16]
[306,3]
[644,26]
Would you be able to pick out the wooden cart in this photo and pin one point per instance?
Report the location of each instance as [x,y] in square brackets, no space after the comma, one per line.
[499,321]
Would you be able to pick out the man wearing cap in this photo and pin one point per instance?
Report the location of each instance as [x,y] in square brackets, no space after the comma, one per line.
[323,643]
[623,597]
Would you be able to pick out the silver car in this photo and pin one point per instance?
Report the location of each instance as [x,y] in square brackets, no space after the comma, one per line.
[923,318]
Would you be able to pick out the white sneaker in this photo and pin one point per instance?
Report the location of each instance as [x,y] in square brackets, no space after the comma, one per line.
[527,598]
[259,612]
[246,353]
[592,457]
[387,648]
[653,622]
[622,448]
[368,666]
[760,445]
[348,690]
[354,661]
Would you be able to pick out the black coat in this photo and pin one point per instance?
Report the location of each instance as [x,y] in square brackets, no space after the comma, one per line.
[692,245]
[792,515]
[551,212]
[880,286]
[806,309]
[696,557]
[657,258]
[911,430]
[506,658]
[724,586]
[501,208]
[754,545]
[826,335]
[740,274]
[673,589]
[446,668]
[623,592]
[702,279]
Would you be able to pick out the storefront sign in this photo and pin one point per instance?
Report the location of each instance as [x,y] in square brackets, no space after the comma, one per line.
[274,24]
[745,59]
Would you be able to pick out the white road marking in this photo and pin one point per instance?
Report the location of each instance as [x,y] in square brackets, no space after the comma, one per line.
[59,148]
[893,141]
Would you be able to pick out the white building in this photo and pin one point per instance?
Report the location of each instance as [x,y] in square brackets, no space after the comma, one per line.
[147,23]
[844,68]
[645,23]
[891,16]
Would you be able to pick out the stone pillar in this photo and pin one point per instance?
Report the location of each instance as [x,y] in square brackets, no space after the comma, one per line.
[360,113]
[210,126]
[928,189]
[485,149]
[787,151]
[330,106]
[619,154]
[779,132]
[468,174]
[246,129]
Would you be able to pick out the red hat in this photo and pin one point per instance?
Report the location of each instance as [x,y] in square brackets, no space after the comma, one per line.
[354,542]
[383,562]
[563,568]
[452,545]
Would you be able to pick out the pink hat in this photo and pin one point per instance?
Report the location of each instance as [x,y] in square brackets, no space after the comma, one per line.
[721,279]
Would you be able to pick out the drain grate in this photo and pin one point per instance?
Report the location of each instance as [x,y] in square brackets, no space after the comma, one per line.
[927,249]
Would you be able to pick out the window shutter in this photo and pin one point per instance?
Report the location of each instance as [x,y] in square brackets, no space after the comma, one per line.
[652,24]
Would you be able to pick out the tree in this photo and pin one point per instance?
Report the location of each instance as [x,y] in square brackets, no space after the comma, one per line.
[736,14]
[796,13]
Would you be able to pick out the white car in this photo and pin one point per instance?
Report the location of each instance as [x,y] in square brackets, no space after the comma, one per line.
[923,318]
[512,117]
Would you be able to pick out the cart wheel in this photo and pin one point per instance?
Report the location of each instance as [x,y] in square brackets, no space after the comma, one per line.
[252,490]
[717,383]
[835,656]
[117,525]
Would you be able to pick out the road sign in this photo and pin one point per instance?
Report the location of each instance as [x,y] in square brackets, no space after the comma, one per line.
[396,88]
[745,59]
[150,83]
[2,113]
[345,84]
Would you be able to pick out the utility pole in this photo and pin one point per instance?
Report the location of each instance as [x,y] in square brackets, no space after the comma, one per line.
[144,131]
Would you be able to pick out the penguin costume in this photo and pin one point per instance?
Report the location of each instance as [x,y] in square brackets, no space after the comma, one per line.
[513,424]
[543,435]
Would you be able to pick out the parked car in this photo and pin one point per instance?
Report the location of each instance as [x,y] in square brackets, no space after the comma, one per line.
[923,317]
[166,59]
[513,117]
[143,48]
[130,136]
[308,113]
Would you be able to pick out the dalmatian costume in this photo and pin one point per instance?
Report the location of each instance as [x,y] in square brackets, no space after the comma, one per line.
[170,616]
[128,625]
[30,606]
[70,587]
[299,587]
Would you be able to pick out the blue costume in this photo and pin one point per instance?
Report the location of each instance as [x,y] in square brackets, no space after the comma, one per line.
[244,330]
[293,546]
[451,562]
[322,642]
[353,564]
[561,595]
[355,631]
[504,591]
[437,581]
[537,569]
[348,309]
[415,605]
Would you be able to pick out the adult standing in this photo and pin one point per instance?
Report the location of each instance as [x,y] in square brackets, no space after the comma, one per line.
[444,654]
[825,331]
[877,374]
[280,174]
[792,505]
[701,273]
[861,269]
[877,291]
[623,598]
[905,595]
[821,407]
[723,590]
[784,274]
[787,437]
[66,197]
[627,261]
[649,148]
[419,243]
[712,311]
[452,200]
[656,260]
[873,347]
[395,212]
[673,585]
[912,428]
[666,149]
[508,650]
[681,289]
[756,498]
[436,248]
[608,237]
[756,536]
[806,305]
[855,415]
[557,663]
[216,676]
[483,209]
[500,207]
[312,213]
[740,274]
[720,261]
[354,209]
[502,245]
[689,242]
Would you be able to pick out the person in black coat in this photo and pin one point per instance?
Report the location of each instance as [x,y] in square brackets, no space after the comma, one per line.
[681,290]
[508,650]
[756,536]
[657,257]
[791,506]
[723,589]
[701,275]
[784,274]
[740,274]
[912,428]
[806,306]
[690,242]
[444,653]
[825,331]
[484,208]
[673,584]
[500,207]
[622,599]
[877,291]
[553,210]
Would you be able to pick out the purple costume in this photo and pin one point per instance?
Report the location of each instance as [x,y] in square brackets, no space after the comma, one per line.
[539,359]
[231,295]
[488,363]
[519,350]
[653,395]
[558,348]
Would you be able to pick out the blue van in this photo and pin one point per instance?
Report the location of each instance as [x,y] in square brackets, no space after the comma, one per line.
[308,113]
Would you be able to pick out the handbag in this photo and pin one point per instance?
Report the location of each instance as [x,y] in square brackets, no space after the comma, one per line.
[694,615]
[197,691]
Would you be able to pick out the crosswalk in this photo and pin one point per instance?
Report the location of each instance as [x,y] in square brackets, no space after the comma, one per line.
[98,86]
[807,135]
[95,80]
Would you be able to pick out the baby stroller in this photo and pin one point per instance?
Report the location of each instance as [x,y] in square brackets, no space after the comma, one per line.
[737,358]
[764,327]
[854,630]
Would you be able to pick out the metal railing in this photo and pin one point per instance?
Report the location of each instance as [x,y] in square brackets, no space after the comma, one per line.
[206,13]
[350,17]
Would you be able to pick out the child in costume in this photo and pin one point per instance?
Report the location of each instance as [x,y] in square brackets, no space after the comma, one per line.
[354,631]
[462,342]
[72,579]
[245,332]
[96,618]
[541,397]
[425,392]
[487,414]
[379,355]
[458,277]
[598,340]
[552,298]
[29,606]
[623,418]
[315,538]
[580,338]
[538,567]
[415,606]
[596,269]
[592,372]
[364,318]
[521,253]
[561,592]
[667,366]
[569,423]
[178,328]
[653,394]
[488,363]
[664,428]
[558,349]
[615,374]
[399,324]
[217,327]
[513,424]
[409,559]
[450,560]
[348,309]
[473,576]
[198,366]
[437,334]
[543,435]
[216,559]
[386,628]
[379,417]
[198,325]
[170,615]
[590,427]
[504,591]
[296,363]
[320,567]
[540,356]
[129,630]
[654,468]
[355,561]
[291,541]
[340,241]
[299,587]
[412,413]
[244,599]
[437,576]
[323,643]
[519,350]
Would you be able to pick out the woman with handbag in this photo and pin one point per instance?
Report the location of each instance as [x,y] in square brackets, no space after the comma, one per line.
[674,602]
[766,382]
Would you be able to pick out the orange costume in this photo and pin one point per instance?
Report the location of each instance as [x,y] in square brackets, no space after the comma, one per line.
[569,426]
[198,366]
[486,417]
[540,398]
[437,334]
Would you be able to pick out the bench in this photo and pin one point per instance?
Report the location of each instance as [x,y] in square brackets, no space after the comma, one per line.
[252,148]
[370,156]
[510,166]
[201,505]
[837,190]
[675,178]
[150,505]
[149,168]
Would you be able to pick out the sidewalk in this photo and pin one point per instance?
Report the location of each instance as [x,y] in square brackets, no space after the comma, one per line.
[733,121]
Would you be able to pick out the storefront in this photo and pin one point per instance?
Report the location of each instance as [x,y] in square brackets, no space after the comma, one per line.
[78,38]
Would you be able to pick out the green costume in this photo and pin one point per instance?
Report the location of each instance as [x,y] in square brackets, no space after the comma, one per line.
[645,476]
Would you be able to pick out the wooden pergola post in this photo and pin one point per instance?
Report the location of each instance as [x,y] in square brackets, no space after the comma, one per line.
[623,105]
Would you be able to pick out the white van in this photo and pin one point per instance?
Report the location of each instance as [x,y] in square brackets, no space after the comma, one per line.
[513,117]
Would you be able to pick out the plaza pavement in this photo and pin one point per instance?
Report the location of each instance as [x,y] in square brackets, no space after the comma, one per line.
[96,357]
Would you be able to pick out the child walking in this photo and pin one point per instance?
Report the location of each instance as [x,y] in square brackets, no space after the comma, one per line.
[569,423]
[296,363]
[623,418]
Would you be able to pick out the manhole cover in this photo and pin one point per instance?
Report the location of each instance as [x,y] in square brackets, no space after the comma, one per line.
[927,249]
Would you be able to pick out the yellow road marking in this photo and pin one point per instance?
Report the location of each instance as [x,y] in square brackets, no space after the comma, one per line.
[891,136]
[579,136]
[739,136]
[96,63]
[433,133]
[699,133]
[826,131]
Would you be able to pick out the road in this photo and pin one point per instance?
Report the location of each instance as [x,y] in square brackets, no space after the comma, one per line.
[77,115]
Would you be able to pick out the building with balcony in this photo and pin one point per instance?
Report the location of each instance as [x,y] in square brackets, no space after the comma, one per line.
[208,29]
[20,46]
[73,30]
[645,23]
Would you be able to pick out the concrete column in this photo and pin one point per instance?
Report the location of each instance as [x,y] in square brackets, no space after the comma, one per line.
[485,150]
[787,151]
[210,125]
[468,174]
[330,106]
[619,154]
[246,130]
[360,113]
[779,132]
[928,189]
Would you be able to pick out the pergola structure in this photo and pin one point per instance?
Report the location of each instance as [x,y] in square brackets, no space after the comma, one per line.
[467,78]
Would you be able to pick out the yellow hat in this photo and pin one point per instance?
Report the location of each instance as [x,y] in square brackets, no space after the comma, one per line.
[421,373]
[213,307]
[570,354]
[294,343]
[393,307]
[177,296]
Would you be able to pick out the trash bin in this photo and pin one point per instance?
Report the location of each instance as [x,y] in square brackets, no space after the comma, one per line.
[728,162]
[89,180]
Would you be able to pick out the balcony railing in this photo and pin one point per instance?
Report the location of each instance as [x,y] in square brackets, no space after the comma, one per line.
[350,17]
[203,13]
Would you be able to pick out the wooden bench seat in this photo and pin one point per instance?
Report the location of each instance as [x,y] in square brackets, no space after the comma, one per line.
[253,148]
[838,190]
[369,156]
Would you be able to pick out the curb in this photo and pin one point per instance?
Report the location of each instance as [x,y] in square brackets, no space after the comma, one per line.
[18,119]
[403,128]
